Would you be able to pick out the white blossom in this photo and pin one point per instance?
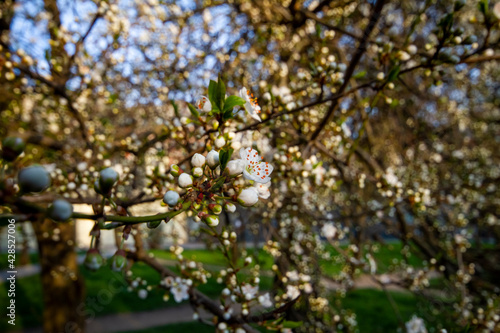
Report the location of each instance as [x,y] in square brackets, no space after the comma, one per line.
[265,300]
[249,291]
[263,190]
[142,293]
[179,290]
[292,292]
[251,105]
[329,230]
[415,325]
[496,10]
[248,197]
[203,104]
[255,169]
[235,167]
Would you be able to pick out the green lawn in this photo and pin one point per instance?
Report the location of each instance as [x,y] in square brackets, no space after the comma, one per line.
[388,257]
[4,263]
[374,312]
[215,257]
[29,294]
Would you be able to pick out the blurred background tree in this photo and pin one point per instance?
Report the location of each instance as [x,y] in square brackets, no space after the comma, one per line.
[381,119]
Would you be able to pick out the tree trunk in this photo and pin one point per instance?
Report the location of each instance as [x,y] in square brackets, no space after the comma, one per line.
[62,284]
[24,259]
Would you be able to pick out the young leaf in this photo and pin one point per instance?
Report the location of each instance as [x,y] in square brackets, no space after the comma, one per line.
[483,6]
[193,110]
[393,74]
[231,102]
[220,94]
[224,157]
[359,75]
[227,115]
[219,183]
[212,95]
[176,109]
[291,324]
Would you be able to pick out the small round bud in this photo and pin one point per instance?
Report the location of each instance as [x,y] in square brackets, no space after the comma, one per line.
[220,142]
[93,260]
[213,159]
[198,160]
[212,220]
[107,179]
[118,261]
[33,179]
[60,210]
[412,49]
[215,208]
[185,180]
[175,170]
[197,172]
[230,207]
[171,198]
[12,147]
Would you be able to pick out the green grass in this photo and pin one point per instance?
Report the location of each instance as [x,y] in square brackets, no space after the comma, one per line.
[374,312]
[104,281]
[216,258]
[4,257]
[28,302]
[387,256]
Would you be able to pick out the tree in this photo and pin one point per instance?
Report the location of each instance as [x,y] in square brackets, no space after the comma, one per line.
[376,118]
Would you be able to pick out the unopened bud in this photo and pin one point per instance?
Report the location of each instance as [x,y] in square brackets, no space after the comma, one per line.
[215,208]
[212,220]
[175,170]
[197,172]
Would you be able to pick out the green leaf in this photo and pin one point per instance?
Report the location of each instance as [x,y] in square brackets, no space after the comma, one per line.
[291,324]
[359,75]
[193,110]
[233,101]
[446,23]
[218,184]
[224,157]
[221,90]
[220,94]
[483,6]
[176,108]
[393,74]
[212,95]
[227,115]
